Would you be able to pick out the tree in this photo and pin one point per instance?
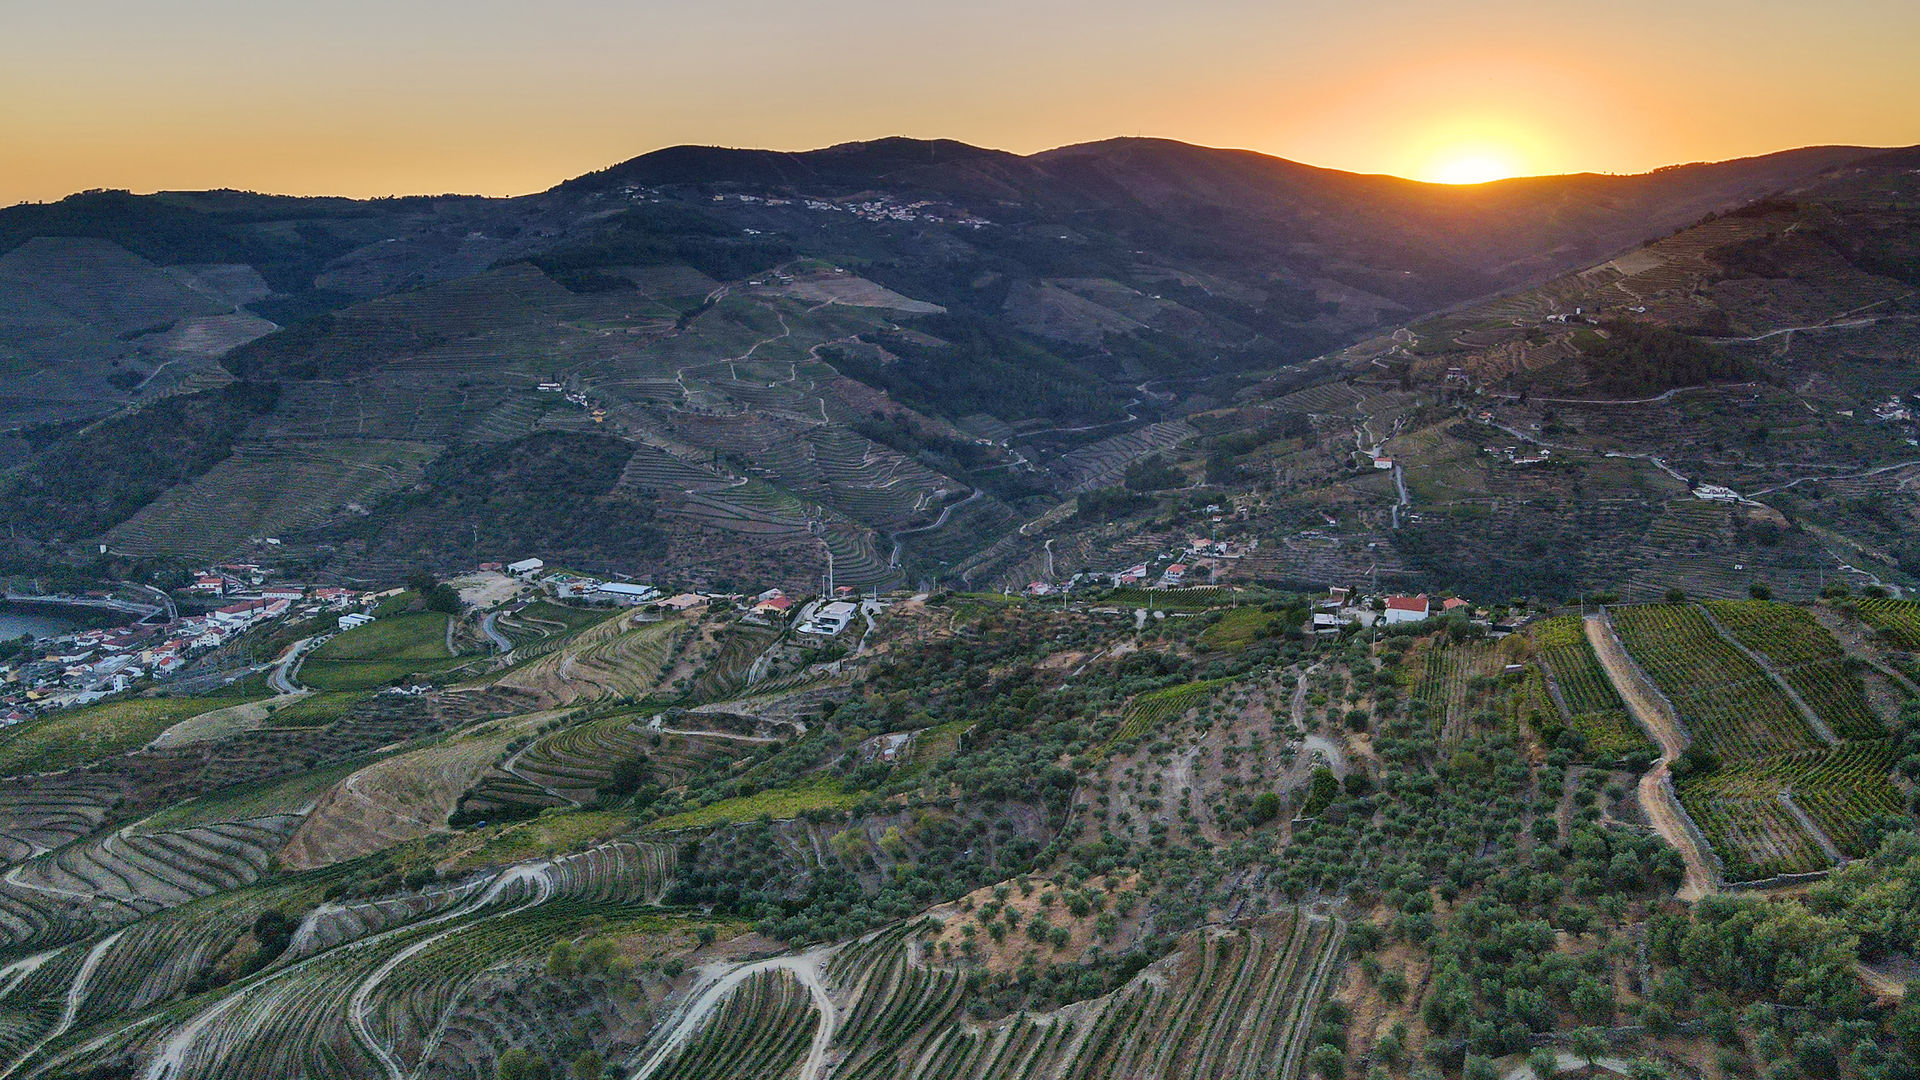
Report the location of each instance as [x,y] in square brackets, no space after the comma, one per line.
[1587,1045]
[517,1064]
[1759,591]
[1676,596]
[1327,1061]
[1645,1069]
[1545,1063]
[1266,807]
[589,1066]
[1480,1068]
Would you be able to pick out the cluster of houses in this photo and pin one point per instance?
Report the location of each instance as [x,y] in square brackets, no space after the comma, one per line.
[565,585]
[1198,563]
[1344,607]
[881,208]
[87,665]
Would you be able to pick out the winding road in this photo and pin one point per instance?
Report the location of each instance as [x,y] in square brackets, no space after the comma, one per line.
[500,640]
[717,982]
[1656,798]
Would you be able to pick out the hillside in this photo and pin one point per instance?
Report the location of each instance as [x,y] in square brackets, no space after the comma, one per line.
[1018,840]
[897,352]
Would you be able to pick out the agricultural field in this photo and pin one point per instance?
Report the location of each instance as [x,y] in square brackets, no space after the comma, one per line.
[1898,621]
[1769,805]
[1582,693]
[77,736]
[388,650]
[1809,658]
[1147,713]
[1726,700]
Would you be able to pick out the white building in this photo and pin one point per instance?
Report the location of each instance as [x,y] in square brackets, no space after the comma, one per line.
[1407,609]
[828,621]
[349,621]
[525,567]
[621,592]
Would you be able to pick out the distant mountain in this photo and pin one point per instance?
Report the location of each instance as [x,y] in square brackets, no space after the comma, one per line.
[894,350]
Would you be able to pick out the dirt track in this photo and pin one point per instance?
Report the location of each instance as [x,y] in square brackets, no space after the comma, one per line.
[1651,711]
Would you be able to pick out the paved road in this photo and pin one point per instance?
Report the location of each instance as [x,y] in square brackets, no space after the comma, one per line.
[1651,711]
[499,639]
[280,677]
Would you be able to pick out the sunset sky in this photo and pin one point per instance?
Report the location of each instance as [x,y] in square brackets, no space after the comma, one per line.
[365,97]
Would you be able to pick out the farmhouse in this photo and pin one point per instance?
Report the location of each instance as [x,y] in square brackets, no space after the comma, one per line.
[1407,609]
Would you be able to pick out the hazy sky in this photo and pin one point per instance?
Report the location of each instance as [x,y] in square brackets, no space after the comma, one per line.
[365,97]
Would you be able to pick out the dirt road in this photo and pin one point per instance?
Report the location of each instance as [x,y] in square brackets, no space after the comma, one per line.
[1650,710]
[809,968]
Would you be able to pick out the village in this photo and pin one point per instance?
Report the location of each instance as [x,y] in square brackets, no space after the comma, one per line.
[83,666]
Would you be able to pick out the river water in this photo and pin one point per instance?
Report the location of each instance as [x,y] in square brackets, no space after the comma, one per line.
[39,624]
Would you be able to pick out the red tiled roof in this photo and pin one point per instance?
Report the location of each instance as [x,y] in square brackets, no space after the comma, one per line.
[1406,603]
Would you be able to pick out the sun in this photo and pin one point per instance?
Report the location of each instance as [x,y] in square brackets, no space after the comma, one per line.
[1476,167]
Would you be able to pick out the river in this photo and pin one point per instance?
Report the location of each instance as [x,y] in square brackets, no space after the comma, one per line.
[41,624]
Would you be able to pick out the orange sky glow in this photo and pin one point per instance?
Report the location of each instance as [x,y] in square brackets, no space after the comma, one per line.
[357,97]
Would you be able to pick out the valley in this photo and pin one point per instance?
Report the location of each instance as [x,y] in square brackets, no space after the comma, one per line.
[910,610]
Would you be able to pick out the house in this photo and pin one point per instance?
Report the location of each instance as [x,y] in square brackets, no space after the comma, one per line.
[1174,574]
[773,605]
[1407,609]
[683,601]
[622,592]
[831,619]
[1339,594]
[525,567]
[241,613]
[1452,604]
[282,592]
[1327,622]
[210,584]
[1383,463]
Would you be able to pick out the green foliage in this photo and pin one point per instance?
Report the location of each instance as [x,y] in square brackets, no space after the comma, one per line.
[1109,504]
[1153,473]
[1636,358]
[76,736]
[518,1064]
[980,366]
[551,492]
[80,486]
[1755,950]
[1322,789]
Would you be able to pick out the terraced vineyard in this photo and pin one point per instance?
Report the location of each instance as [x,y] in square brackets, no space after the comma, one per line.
[1234,1002]
[1725,699]
[1749,813]
[1584,695]
[1808,657]
[271,490]
[762,1029]
[1152,710]
[1898,621]
[621,657]
[1452,682]
[1776,800]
